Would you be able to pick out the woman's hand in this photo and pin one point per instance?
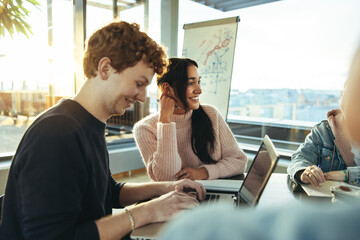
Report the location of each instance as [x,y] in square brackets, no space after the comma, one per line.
[167,107]
[314,175]
[193,173]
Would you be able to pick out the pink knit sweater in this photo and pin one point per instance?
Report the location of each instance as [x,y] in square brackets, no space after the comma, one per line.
[166,147]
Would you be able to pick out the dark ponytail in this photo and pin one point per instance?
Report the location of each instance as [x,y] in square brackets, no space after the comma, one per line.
[202,133]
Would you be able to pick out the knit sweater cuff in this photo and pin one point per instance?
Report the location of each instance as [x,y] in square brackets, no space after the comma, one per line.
[212,170]
[167,143]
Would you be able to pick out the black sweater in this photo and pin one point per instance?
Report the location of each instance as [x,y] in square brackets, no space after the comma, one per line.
[59,181]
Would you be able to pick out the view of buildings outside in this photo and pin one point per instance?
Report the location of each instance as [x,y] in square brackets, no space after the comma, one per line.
[309,105]
[291,59]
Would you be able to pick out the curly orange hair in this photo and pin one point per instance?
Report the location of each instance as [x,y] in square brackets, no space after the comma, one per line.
[125,45]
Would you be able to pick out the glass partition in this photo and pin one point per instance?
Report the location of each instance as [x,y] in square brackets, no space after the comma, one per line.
[37,71]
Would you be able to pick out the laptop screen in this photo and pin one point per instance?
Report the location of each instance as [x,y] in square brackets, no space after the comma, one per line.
[259,173]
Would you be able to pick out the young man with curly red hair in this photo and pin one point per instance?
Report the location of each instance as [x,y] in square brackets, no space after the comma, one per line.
[60,185]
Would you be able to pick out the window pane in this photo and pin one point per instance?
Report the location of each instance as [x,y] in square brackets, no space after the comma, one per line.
[292,59]
[98,14]
[35,72]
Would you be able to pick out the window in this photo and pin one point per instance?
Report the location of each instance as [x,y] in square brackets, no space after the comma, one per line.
[292,59]
[35,72]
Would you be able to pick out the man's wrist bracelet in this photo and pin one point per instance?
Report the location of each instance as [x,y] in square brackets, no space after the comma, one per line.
[132,222]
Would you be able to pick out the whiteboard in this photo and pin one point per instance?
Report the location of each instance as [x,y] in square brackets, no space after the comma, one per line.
[212,45]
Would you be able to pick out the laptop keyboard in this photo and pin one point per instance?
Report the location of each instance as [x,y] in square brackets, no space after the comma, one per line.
[210,197]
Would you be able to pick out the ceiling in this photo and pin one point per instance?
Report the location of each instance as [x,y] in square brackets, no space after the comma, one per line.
[108,4]
[222,5]
[228,5]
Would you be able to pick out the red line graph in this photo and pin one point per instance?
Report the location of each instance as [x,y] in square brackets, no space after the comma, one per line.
[223,44]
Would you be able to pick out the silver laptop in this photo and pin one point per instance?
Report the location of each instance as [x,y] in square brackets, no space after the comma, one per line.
[249,193]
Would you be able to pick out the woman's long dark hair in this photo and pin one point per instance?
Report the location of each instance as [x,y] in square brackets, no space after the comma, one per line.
[202,133]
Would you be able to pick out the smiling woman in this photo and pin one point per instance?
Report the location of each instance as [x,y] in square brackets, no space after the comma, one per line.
[190,141]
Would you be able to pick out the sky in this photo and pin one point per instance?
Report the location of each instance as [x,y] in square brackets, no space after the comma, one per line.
[285,44]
